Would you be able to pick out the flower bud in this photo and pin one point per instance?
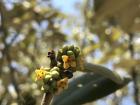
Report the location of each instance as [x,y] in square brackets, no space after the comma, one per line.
[69,53]
[47,78]
[65,49]
[55,74]
[71,47]
[55,69]
[47,69]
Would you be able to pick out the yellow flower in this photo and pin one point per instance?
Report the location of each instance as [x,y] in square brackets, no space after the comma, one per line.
[68,62]
[61,85]
[65,58]
[40,73]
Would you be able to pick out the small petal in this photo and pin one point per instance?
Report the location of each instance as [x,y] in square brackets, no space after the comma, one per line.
[66,65]
[65,58]
[40,74]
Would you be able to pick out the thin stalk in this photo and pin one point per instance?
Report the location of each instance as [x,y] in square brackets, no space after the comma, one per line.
[47,98]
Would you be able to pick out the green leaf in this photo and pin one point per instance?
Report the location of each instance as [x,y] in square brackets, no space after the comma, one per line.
[103,71]
[92,87]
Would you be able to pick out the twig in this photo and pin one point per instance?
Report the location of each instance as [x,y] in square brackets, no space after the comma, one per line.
[46,100]
[134,72]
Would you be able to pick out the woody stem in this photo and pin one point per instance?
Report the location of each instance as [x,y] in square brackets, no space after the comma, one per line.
[46,100]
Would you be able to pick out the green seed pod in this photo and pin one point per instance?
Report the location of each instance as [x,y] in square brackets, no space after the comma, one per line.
[71,47]
[55,69]
[55,74]
[47,78]
[69,53]
[65,49]
[47,69]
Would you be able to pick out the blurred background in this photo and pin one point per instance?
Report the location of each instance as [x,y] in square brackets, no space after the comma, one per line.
[107,31]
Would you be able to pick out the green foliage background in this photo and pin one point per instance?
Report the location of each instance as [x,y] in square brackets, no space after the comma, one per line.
[107,31]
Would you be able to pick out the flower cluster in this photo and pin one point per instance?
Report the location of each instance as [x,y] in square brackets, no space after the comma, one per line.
[67,57]
[55,78]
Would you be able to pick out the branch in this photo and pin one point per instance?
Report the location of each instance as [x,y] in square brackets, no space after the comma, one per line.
[134,71]
[46,100]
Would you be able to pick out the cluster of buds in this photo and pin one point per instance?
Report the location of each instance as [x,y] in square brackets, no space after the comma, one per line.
[67,57]
[55,78]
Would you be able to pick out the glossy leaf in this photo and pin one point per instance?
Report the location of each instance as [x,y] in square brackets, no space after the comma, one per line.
[91,87]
